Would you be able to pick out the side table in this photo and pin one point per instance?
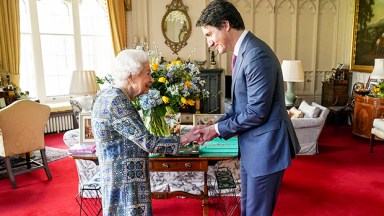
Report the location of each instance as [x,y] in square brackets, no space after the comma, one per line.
[365,111]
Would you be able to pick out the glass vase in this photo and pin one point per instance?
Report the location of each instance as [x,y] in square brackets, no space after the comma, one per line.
[156,124]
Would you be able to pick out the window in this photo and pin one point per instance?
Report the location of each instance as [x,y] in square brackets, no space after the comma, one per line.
[58,37]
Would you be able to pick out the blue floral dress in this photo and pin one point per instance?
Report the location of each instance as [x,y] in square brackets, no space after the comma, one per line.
[123,146]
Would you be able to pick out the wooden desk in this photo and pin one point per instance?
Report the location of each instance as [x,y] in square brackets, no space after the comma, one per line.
[366,109]
[161,163]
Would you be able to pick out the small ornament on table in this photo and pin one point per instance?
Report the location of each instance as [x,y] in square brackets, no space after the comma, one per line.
[9,84]
[200,64]
[212,58]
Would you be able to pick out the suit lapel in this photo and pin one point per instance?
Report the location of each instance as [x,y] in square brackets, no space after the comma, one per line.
[239,62]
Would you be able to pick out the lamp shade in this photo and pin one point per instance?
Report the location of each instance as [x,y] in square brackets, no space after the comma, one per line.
[292,71]
[378,70]
[83,83]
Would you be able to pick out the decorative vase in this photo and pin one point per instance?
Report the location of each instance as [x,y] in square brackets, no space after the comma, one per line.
[157,125]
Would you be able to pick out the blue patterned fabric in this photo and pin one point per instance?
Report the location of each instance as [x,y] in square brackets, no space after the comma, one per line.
[123,146]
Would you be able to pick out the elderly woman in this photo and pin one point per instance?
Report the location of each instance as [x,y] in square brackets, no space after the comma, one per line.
[123,143]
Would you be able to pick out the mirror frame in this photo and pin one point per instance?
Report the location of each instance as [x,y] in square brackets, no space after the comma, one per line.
[176,5]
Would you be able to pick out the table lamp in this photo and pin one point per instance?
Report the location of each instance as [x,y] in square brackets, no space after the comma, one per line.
[292,72]
[84,83]
[378,70]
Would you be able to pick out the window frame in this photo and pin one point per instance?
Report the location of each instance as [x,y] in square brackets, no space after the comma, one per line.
[37,54]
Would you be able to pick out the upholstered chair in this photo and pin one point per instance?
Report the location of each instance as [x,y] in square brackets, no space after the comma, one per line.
[22,131]
[377,131]
[76,108]
[309,127]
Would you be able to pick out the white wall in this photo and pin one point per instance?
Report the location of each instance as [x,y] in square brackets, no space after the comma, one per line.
[318,32]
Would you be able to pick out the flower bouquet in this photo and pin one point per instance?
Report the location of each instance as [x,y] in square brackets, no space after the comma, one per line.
[378,89]
[176,86]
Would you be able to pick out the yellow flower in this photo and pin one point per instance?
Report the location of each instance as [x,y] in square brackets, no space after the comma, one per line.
[165,99]
[155,66]
[376,89]
[187,84]
[162,80]
[183,100]
[191,102]
[177,62]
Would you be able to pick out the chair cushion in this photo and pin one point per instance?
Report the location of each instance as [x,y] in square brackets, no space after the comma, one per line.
[309,111]
[295,113]
[379,124]
[377,132]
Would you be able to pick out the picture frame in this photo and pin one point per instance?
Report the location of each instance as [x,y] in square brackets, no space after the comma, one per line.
[367,31]
[206,119]
[339,66]
[372,83]
[85,126]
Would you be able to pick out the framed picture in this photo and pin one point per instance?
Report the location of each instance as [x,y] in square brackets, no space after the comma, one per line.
[205,119]
[372,83]
[85,125]
[368,35]
[339,66]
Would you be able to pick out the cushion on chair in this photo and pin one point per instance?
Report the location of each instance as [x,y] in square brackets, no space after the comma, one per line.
[295,113]
[379,124]
[377,132]
[309,111]
[378,128]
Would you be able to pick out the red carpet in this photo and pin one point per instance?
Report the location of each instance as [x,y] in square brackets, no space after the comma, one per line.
[344,179]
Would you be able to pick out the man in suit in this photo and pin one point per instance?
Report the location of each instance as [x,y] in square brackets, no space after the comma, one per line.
[258,116]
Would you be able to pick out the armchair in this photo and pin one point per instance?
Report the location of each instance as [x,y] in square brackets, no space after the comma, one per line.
[22,131]
[345,109]
[308,130]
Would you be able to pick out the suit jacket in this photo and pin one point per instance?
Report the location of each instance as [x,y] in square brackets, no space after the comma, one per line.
[258,115]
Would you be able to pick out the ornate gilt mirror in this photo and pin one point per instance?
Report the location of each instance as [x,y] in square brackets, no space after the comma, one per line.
[176,26]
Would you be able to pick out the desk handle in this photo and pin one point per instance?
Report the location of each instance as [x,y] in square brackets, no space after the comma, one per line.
[165,165]
[188,165]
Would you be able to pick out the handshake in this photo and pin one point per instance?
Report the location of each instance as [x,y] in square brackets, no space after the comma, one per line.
[199,134]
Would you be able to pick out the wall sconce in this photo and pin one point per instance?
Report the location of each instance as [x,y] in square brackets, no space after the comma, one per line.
[292,72]
[84,83]
[378,70]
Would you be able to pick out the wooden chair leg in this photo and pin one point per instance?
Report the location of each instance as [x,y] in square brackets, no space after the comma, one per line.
[8,166]
[45,163]
[371,142]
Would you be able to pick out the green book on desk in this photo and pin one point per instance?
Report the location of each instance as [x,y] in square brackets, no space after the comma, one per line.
[220,145]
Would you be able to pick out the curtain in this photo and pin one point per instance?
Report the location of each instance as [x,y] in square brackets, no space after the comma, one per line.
[116,11]
[10,40]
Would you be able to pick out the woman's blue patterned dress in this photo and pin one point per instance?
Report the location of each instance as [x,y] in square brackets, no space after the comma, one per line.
[123,146]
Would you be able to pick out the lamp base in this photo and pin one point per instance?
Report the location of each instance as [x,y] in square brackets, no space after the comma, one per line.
[289,95]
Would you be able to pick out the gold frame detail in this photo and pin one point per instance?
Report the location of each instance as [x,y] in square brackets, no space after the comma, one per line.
[177,5]
[361,54]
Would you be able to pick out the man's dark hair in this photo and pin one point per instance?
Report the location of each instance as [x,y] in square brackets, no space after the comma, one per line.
[219,11]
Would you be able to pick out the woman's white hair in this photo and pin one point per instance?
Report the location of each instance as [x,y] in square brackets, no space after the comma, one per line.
[128,62]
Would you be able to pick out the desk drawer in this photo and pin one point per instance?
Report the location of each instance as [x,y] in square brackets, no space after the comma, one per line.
[178,165]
